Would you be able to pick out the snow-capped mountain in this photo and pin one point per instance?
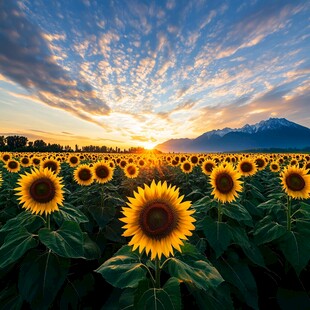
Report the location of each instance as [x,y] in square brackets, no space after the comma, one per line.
[271,133]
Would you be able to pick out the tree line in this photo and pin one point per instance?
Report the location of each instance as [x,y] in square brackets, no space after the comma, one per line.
[22,144]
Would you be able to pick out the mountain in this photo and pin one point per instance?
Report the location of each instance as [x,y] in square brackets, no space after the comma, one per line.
[271,133]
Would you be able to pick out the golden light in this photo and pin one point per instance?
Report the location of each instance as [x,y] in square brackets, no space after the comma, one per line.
[149,145]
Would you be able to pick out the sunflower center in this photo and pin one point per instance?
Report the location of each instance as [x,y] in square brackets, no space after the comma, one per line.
[42,190]
[51,165]
[25,161]
[102,172]
[84,175]
[73,160]
[224,183]
[12,164]
[246,167]
[260,162]
[6,157]
[187,167]
[295,182]
[36,161]
[157,220]
[131,170]
[209,167]
[274,167]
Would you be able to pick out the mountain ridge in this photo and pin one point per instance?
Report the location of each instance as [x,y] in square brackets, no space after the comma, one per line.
[274,132]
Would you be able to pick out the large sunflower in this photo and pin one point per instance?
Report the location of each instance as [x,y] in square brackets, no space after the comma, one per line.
[40,191]
[83,175]
[157,219]
[12,165]
[296,182]
[247,167]
[225,183]
[102,172]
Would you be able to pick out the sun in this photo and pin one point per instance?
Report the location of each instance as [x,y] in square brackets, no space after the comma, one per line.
[149,145]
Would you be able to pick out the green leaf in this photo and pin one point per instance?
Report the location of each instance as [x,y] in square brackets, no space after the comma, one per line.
[124,269]
[91,249]
[41,277]
[10,299]
[102,215]
[75,290]
[156,299]
[198,272]
[24,219]
[218,235]
[172,287]
[67,241]
[69,213]
[295,246]
[239,275]
[215,299]
[114,230]
[267,230]
[15,245]
[237,212]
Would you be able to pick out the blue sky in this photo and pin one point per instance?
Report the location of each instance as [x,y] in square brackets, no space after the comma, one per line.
[130,73]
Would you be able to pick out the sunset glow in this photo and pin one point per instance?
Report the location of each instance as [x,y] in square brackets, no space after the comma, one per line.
[137,73]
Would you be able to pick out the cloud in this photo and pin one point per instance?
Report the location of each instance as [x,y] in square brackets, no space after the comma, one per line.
[25,58]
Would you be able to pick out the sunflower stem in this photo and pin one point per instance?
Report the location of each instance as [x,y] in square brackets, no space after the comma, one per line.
[102,195]
[157,272]
[48,221]
[219,212]
[288,213]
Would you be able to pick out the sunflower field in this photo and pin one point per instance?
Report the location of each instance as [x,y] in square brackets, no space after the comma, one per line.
[154,231]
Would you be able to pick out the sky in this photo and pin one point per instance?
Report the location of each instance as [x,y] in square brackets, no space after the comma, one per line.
[138,73]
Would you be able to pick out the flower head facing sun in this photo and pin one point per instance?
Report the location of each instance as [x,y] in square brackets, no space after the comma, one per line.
[296,182]
[157,220]
[83,175]
[225,183]
[40,191]
[247,167]
[102,172]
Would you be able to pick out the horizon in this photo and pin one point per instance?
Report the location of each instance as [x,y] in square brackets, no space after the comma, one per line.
[138,74]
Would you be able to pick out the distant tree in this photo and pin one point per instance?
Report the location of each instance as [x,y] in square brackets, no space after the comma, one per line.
[39,144]
[16,142]
[30,144]
[2,141]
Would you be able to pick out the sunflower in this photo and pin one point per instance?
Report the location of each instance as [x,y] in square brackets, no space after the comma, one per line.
[225,183]
[12,165]
[131,171]
[25,162]
[102,172]
[207,166]
[51,164]
[247,167]
[40,191]
[260,163]
[6,157]
[83,175]
[194,159]
[73,160]
[274,166]
[35,161]
[296,182]
[186,167]
[157,220]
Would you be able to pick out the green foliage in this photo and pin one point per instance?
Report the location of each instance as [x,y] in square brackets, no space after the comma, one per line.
[67,241]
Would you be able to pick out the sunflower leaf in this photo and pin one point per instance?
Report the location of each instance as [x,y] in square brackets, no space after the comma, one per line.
[69,213]
[41,277]
[124,269]
[198,272]
[67,241]
[15,245]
